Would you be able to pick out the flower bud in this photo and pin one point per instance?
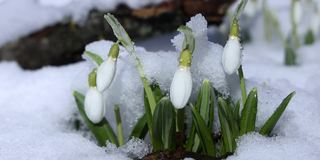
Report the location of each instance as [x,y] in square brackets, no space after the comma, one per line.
[93,105]
[231,56]
[107,69]
[93,102]
[181,85]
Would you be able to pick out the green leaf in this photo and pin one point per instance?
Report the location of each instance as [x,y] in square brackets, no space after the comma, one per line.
[164,125]
[203,132]
[228,137]
[228,110]
[119,125]
[309,38]
[102,131]
[272,121]
[191,138]
[205,103]
[290,54]
[236,111]
[204,106]
[96,58]
[249,113]
[188,42]
[119,32]
[140,130]
[157,94]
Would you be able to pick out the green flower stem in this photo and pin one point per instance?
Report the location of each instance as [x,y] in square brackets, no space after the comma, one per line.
[119,125]
[180,120]
[146,84]
[242,85]
[148,91]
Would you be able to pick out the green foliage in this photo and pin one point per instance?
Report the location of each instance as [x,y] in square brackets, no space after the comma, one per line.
[164,126]
[102,131]
[229,127]
[96,58]
[249,113]
[140,130]
[205,106]
[272,121]
[204,133]
[309,38]
[290,54]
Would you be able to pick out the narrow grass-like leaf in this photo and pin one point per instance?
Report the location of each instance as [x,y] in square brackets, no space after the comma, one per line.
[102,131]
[236,112]
[119,125]
[164,125]
[205,103]
[290,54]
[204,106]
[228,138]
[242,85]
[228,110]
[249,113]
[191,137]
[157,94]
[140,130]
[203,132]
[96,58]
[272,121]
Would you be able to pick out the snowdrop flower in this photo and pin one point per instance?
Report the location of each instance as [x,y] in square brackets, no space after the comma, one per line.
[107,69]
[231,56]
[297,11]
[93,102]
[181,85]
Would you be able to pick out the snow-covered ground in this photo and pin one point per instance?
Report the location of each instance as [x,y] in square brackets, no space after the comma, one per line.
[36,106]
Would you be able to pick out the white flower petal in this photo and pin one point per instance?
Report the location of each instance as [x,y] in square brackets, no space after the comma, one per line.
[231,57]
[93,105]
[181,87]
[105,74]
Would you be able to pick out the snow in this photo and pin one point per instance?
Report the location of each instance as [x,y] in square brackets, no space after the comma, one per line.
[36,107]
[22,17]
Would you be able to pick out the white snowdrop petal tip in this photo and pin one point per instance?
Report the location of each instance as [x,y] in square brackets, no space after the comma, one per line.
[93,105]
[105,74]
[181,87]
[231,56]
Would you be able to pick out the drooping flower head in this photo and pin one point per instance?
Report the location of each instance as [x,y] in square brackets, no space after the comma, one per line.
[107,69]
[93,102]
[231,56]
[181,85]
